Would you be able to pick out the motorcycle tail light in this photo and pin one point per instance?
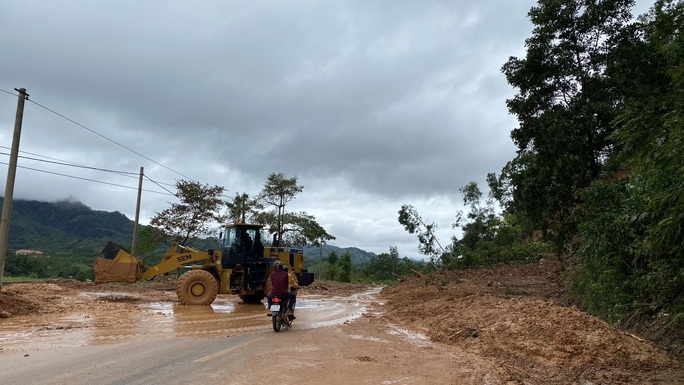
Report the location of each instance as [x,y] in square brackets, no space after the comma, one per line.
[276,300]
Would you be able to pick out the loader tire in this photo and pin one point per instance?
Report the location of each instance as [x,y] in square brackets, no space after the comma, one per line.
[197,287]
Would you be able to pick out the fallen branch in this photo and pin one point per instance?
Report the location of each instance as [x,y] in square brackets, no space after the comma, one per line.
[418,274]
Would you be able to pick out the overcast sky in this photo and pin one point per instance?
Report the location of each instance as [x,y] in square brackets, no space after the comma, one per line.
[370,104]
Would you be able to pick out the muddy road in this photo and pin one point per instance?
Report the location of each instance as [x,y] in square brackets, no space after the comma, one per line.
[134,338]
[158,320]
[162,342]
[498,326]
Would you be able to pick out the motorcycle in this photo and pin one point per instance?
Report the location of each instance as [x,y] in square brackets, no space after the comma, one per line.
[279,313]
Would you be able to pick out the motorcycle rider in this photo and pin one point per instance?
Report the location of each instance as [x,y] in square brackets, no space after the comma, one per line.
[294,286]
[279,280]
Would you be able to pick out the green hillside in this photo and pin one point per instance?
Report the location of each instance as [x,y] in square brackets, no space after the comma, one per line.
[358,256]
[69,234]
[64,226]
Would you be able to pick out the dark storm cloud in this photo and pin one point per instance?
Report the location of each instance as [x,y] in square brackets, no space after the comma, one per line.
[372,104]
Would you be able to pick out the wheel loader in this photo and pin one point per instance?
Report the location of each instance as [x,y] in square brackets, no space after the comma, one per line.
[240,267]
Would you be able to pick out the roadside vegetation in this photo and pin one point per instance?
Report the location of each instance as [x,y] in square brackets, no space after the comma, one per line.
[597,179]
[371,268]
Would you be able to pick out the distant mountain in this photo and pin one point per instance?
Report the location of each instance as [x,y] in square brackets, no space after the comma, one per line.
[65,225]
[358,256]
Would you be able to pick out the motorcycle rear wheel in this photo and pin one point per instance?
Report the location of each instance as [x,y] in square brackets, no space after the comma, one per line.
[277,321]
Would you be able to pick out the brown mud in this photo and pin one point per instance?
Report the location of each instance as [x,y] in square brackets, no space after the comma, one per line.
[502,325]
[115,270]
[513,316]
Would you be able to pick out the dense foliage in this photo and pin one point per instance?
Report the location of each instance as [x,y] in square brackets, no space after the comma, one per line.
[565,107]
[487,237]
[633,217]
[599,171]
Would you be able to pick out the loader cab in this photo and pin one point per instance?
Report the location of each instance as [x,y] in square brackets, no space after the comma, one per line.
[241,243]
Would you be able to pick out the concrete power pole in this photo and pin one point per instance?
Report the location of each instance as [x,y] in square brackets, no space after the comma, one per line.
[134,244]
[9,186]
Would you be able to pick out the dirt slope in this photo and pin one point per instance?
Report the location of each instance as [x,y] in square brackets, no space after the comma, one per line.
[512,315]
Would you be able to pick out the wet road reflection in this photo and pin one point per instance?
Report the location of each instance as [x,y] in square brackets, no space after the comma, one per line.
[161,320]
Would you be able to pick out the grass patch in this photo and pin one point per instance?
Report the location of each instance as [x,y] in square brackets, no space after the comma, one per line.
[22,279]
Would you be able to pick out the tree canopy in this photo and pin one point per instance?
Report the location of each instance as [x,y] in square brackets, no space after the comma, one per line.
[565,105]
[295,228]
[199,207]
[241,208]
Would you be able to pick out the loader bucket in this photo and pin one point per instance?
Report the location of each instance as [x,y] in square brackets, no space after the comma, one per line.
[115,265]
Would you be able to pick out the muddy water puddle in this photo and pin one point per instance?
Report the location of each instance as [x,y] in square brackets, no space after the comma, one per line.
[162,320]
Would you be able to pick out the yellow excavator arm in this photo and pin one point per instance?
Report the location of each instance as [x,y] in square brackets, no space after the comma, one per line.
[173,260]
[116,265]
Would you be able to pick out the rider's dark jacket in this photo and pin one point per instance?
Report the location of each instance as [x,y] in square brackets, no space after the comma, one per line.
[279,282]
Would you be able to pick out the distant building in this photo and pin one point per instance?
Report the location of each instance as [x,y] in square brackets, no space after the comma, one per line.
[29,252]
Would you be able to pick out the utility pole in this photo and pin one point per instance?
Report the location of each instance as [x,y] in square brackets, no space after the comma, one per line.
[320,259]
[137,215]
[9,186]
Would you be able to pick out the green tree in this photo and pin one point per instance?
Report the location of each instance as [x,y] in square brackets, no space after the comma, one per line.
[295,228]
[383,266]
[331,271]
[480,226]
[149,239]
[565,108]
[309,231]
[241,208]
[187,221]
[486,236]
[22,265]
[482,221]
[345,267]
[277,193]
[428,243]
[406,266]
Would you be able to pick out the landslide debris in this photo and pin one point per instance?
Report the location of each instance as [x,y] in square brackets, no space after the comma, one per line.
[513,315]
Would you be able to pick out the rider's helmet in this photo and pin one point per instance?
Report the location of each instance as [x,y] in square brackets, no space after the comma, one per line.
[277,265]
[285,268]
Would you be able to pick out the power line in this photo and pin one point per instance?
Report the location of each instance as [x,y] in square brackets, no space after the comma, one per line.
[111,140]
[162,187]
[90,180]
[42,156]
[72,164]
[158,184]
[7,92]
[125,173]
